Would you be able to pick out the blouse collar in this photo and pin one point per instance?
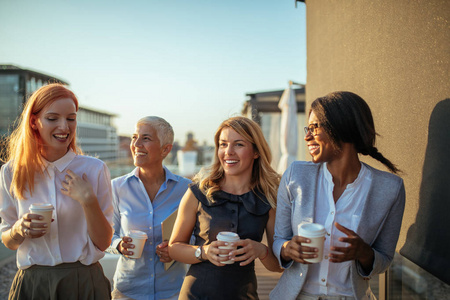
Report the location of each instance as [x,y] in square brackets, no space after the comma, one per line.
[254,202]
[61,163]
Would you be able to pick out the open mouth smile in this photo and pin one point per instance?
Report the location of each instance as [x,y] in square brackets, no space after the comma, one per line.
[231,161]
[313,148]
[61,137]
[139,154]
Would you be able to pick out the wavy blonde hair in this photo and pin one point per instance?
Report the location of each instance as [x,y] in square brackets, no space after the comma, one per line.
[23,145]
[264,178]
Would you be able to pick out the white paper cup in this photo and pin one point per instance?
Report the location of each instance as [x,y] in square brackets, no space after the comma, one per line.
[139,238]
[227,236]
[316,233]
[45,210]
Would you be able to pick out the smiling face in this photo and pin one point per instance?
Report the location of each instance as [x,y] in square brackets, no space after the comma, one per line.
[55,126]
[319,145]
[146,147]
[236,155]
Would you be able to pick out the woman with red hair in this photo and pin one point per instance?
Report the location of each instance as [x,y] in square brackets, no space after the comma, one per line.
[44,166]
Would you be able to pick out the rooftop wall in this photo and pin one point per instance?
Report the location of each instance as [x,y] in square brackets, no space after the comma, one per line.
[395,54]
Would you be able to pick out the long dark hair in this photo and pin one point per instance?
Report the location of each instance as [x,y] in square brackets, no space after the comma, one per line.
[346,118]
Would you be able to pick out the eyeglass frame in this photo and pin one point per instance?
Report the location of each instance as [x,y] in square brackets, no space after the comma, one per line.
[311,128]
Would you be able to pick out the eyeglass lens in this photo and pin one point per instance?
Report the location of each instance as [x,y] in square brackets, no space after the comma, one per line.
[311,129]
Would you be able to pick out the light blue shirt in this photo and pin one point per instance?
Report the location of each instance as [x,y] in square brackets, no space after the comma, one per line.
[145,278]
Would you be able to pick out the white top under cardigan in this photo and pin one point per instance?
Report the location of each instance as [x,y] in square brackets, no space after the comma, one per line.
[381,216]
[334,278]
[68,239]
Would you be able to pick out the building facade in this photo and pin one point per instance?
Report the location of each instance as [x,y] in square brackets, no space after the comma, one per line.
[16,85]
[97,136]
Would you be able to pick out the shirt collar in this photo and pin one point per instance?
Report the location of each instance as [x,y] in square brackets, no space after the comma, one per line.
[62,163]
[327,175]
[254,202]
[358,179]
[168,175]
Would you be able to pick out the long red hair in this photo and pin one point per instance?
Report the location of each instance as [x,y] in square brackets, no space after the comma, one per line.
[23,145]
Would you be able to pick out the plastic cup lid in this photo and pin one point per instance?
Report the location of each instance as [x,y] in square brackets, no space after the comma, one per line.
[137,234]
[41,206]
[311,230]
[227,236]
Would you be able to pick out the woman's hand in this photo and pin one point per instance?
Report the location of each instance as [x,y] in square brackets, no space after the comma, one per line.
[163,252]
[125,245]
[212,251]
[249,251]
[78,188]
[294,250]
[356,250]
[24,228]
[28,229]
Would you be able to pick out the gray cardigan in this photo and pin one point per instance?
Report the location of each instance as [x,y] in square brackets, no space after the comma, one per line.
[380,224]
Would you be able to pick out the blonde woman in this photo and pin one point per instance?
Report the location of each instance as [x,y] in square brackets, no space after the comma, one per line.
[45,166]
[238,194]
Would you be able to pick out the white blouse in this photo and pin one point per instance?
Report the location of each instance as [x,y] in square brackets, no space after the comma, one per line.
[334,278]
[67,240]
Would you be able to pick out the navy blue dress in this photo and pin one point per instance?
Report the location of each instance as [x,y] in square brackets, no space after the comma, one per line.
[247,215]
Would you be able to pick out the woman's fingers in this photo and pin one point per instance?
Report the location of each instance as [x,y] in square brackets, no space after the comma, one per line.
[213,252]
[127,245]
[299,250]
[29,229]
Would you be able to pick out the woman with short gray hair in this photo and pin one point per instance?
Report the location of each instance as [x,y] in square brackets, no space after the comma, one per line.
[143,199]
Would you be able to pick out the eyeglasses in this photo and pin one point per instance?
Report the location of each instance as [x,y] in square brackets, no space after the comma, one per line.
[311,128]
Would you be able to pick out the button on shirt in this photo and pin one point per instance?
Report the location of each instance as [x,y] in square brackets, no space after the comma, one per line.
[67,239]
[334,278]
[145,278]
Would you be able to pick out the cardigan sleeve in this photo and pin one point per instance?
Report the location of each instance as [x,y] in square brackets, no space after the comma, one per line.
[283,228]
[386,241]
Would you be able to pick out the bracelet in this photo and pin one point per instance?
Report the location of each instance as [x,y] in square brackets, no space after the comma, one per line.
[267,253]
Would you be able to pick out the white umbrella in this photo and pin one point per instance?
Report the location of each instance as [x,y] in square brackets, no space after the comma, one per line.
[288,129]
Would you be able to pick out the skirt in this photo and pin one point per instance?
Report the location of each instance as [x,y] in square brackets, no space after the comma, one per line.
[205,281]
[68,281]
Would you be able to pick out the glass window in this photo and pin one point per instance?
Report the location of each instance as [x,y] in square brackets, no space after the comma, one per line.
[407,280]
[32,85]
[10,102]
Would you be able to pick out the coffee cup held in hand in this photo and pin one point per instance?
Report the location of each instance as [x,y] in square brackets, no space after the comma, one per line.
[316,233]
[139,238]
[227,236]
[45,210]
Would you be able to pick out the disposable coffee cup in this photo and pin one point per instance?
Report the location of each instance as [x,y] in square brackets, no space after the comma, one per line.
[139,238]
[316,233]
[45,210]
[227,236]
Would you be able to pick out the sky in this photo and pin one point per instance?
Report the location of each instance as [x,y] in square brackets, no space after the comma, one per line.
[190,62]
